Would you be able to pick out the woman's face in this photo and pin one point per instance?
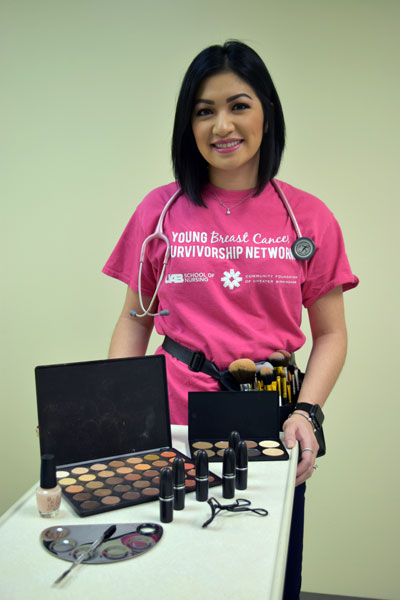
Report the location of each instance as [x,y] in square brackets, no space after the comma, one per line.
[228,126]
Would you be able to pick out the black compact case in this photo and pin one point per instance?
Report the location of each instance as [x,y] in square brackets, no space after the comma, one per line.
[107,423]
[255,415]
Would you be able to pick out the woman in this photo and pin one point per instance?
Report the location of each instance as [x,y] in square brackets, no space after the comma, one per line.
[232,285]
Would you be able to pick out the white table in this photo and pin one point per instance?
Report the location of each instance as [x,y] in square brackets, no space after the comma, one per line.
[238,556]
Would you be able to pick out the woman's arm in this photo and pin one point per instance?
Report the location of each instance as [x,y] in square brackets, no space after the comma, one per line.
[326,360]
[131,334]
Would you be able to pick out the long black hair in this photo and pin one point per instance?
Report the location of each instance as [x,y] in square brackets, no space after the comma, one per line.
[190,168]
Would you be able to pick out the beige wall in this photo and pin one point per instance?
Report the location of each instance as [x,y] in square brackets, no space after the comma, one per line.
[88,93]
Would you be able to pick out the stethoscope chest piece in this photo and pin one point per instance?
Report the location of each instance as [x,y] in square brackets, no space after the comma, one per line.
[303,248]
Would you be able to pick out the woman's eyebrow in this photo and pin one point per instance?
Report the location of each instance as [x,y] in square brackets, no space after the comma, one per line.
[230,99]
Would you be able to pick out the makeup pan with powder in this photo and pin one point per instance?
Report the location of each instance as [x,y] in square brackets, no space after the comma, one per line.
[107,423]
[255,415]
[128,541]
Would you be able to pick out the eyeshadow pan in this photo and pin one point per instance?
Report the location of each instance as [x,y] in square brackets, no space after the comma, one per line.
[74,489]
[113,480]
[90,505]
[61,474]
[111,500]
[251,444]
[189,483]
[67,481]
[82,496]
[202,445]
[273,452]
[116,463]
[151,491]
[269,444]
[253,452]
[141,484]
[106,474]
[160,463]
[220,452]
[124,470]
[94,485]
[88,477]
[122,488]
[156,481]
[79,470]
[98,467]
[222,444]
[134,460]
[192,472]
[151,457]
[142,467]
[102,492]
[188,466]
[133,477]
[150,473]
[131,495]
[209,452]
[168,454]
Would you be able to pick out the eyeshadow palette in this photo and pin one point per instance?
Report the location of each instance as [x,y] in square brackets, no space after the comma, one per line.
[255,415]
[68,542]
[107,423]
[122,481]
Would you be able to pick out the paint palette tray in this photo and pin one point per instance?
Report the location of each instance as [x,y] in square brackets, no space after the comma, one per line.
[68,542]
[255,415]
[107,423]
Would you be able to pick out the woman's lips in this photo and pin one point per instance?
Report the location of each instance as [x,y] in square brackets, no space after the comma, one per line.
[227,146]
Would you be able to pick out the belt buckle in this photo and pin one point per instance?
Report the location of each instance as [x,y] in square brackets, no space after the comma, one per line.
[197,361]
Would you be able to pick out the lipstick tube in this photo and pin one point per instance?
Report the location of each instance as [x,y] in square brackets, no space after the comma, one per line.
[229,473]
[201,476]
[166,496]
[178,476]
[241,466]
[234,439]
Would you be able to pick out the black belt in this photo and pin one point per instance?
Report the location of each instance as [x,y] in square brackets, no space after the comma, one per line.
[196,361]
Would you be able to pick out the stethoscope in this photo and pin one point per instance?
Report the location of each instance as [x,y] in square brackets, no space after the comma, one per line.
[303,248]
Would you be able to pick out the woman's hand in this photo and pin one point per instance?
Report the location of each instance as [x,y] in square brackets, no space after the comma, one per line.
[297,428]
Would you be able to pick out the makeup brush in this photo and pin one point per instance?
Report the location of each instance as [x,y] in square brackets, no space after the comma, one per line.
[244,371]
[88,553]
[266,375]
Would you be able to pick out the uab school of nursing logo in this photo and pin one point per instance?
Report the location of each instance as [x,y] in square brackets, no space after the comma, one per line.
[231,279]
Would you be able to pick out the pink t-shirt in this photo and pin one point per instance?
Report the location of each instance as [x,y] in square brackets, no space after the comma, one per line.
[232,285]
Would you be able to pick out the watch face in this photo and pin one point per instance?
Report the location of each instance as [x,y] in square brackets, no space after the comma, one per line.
[317,416]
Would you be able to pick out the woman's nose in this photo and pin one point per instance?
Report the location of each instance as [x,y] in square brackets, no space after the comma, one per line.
[222,124]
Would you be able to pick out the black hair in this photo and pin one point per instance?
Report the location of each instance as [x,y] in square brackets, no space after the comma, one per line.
[190,168]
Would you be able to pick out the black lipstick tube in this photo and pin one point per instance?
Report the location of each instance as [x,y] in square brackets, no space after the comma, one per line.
[229,473]
[178,476]
[234,439]
[201,476]
[241,466]
[166,496]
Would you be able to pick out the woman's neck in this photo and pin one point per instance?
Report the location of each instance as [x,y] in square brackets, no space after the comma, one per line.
[235,179]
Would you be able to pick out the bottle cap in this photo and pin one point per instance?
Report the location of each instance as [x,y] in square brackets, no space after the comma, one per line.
[48,477]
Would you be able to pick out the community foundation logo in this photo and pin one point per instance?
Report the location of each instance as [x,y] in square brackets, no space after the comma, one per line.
[231,279]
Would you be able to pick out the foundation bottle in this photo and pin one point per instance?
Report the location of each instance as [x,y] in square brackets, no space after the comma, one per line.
[48,495]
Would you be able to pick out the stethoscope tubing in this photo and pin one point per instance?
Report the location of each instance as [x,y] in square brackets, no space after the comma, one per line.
[159,234]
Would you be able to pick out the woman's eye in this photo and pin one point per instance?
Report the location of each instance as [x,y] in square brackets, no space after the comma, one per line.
[203,112]
[240,106]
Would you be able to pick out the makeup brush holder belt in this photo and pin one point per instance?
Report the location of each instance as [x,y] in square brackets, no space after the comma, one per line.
[197,361]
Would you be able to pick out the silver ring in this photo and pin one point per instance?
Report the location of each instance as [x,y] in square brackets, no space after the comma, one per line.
[305,450]
[315,467]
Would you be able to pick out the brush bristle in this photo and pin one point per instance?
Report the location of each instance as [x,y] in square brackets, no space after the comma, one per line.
[243,370]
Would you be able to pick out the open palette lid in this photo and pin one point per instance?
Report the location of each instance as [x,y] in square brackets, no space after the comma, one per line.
[213,415]
[103,408]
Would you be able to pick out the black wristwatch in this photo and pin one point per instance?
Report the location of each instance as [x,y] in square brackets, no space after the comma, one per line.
[315,412]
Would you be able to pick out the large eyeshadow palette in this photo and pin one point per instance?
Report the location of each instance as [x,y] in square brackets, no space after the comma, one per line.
[122,481]
[129,540]
[254,415]
[107,423]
